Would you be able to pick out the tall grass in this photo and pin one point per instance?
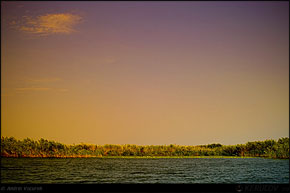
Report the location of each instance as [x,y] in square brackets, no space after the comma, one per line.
[11,147]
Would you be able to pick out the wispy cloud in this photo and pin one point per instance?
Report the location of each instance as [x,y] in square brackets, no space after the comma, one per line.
[48,24]
[33,89]
[35,85]
[43,80]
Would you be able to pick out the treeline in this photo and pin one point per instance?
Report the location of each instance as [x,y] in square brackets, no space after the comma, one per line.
[11,147]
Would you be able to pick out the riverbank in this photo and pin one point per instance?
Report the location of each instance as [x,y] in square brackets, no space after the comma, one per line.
[11,147]
[140,157]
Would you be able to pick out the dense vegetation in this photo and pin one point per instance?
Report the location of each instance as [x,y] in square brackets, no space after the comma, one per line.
[11,147]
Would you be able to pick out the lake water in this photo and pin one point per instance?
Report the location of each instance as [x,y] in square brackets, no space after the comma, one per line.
[164,170]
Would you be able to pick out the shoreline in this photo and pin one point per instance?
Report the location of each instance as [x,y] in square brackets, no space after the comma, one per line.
[11,147]
[141,157]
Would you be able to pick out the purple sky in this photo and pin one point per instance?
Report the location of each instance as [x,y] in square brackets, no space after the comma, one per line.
[145,72]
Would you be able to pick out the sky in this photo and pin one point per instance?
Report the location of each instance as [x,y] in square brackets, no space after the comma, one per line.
[145,73]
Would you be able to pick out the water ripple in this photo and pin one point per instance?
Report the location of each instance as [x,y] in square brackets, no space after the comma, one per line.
[95,170]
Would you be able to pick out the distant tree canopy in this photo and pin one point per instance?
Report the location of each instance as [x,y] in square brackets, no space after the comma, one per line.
[11,147]
[214,145]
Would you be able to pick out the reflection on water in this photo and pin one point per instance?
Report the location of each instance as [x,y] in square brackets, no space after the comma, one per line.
[165,170]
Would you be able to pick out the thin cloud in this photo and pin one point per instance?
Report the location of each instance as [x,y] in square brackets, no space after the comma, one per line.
[33,89]
[40,84]
[39,89]
[49,24]
[42,80]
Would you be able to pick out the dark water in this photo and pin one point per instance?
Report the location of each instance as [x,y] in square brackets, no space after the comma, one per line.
[165,170]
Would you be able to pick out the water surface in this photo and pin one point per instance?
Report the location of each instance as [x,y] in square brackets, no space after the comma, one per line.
[136,170]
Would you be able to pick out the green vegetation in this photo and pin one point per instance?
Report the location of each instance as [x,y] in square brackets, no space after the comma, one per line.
[11,147]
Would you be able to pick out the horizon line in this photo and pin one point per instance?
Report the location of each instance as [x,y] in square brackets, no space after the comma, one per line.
[83,143]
